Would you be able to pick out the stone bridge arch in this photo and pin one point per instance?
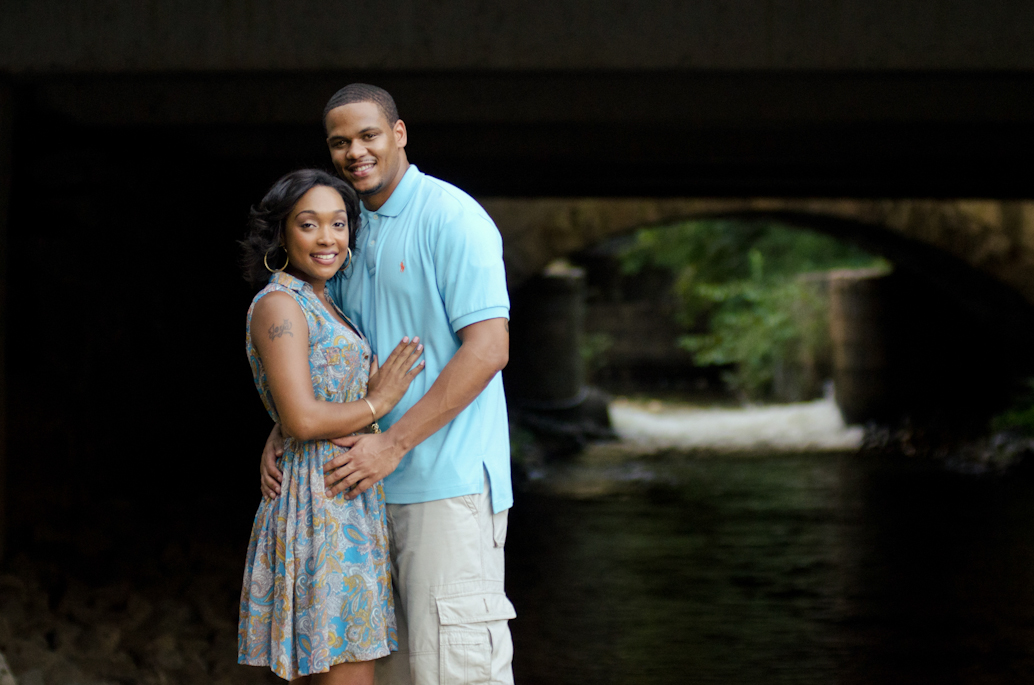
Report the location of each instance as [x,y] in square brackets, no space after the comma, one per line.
[994,238]
[960,310]
[978,252]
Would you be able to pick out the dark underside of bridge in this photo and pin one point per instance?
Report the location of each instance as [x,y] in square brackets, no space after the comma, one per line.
[130,395]
[854,134]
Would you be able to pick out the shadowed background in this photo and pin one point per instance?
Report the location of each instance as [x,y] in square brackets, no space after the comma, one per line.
[134,137]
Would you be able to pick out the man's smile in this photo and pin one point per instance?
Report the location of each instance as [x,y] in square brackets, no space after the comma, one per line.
[361,169]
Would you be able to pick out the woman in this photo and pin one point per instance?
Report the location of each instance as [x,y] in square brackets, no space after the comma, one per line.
[316,604]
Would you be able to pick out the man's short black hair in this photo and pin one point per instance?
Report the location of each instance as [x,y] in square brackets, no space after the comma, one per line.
[363,92]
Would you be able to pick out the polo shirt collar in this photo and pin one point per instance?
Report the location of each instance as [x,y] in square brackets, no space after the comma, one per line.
[402,194]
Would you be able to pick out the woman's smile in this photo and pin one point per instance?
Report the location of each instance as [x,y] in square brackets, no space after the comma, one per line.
[327,258]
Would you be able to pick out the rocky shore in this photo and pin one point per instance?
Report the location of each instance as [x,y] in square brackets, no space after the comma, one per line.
[177,627]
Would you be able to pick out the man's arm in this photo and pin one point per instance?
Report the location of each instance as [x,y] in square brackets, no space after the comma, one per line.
[484,351]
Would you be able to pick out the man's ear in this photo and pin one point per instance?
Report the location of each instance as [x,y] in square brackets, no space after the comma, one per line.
[400,133]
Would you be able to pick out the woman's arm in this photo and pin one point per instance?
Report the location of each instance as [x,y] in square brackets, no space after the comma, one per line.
[484,352]
[281,336]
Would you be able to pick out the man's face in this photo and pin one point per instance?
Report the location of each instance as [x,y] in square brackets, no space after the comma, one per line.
[366,150]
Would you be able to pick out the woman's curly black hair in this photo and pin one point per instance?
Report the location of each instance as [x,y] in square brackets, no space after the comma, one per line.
[266,221]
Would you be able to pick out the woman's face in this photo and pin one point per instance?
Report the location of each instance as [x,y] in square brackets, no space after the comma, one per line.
[316,235]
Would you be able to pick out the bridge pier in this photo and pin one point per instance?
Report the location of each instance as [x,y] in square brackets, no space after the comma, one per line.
[904,348]
[858,330]
[546,369]
[6,131]
[545,379]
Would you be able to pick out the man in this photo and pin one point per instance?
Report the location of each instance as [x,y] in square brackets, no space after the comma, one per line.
[428,264]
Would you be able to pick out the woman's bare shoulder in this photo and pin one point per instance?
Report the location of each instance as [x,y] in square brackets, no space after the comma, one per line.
[274,308]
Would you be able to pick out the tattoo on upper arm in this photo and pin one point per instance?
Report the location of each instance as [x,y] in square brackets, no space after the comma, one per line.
[279,331]
[506,325]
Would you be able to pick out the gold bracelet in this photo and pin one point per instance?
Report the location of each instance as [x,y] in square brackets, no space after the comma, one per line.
[372,410]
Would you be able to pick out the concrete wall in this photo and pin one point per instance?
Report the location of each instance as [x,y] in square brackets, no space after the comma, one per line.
[205,35]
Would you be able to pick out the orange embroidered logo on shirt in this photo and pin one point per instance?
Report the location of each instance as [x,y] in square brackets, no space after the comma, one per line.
[402,266]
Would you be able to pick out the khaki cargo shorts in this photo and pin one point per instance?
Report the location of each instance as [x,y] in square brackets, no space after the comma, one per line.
[448,567]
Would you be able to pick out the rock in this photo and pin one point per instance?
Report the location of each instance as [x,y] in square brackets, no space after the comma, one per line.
[6,677]
[26,653]
[66,636]
[163,653]
[64,672]
[215,619]
[101,640]
[138,610]
[5,633]
[174,615]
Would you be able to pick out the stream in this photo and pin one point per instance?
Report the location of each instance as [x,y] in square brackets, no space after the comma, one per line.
[771,552]
[773,565]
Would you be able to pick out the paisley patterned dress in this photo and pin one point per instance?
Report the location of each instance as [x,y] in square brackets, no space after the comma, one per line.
[317,587]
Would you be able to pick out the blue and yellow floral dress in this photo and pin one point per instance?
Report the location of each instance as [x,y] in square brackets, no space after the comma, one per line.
[317,587]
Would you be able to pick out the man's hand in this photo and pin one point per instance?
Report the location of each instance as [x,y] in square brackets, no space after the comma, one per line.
[271,477]
[370,458]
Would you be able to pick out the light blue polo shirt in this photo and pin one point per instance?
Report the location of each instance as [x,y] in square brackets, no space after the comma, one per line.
[429,262]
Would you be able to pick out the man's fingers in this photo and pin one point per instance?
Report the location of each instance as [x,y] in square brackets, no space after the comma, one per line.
[336,463]
[355,480]
[347,441]
[373,365]
[359,488]
[338,486]
[333,484]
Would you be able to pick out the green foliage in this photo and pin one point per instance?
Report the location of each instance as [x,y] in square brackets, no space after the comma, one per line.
[1019,417]
[594,350]
[745,300]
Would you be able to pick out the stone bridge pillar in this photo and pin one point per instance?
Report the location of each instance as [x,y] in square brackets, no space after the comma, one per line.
[6,113]
[546,370]
[858,331]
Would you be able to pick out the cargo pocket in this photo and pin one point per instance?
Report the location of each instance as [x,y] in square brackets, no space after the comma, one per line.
[464,640]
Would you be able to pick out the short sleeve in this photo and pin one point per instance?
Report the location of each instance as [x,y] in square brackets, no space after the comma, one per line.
[469,270]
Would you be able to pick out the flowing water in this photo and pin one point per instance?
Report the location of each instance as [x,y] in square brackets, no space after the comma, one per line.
[676,555]
[628,565]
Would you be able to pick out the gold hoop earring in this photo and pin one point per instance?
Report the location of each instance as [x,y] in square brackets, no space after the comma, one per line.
[348,262]
[265,260]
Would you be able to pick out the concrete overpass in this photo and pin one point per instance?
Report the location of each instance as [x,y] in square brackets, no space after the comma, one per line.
[134,135]
[838,98]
